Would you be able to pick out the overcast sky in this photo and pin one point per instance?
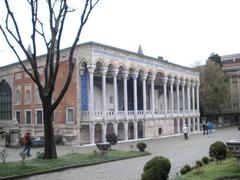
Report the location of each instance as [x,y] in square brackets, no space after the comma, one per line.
[181,31]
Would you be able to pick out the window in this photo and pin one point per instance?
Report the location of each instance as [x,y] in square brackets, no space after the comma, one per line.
[28,116]
[18,116]
[110,99]
[18,97]
[28,97]
[70,116]
[39,116]
[5,101]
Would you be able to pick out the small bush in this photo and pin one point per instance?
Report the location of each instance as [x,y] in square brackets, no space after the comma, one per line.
[40,155]
[185,169]
[205,160]
[218,150]
[141,146]
[156,168]
[199,165]
[111,138]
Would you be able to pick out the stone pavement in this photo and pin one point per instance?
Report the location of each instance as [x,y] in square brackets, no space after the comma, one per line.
[178,150]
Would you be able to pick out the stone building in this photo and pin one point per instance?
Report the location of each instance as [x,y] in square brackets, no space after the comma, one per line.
[112,90]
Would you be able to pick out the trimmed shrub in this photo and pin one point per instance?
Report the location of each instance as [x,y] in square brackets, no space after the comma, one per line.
[218,150]
[111,138]
[185,169]
[205,160]
[141,146]
[198,166]
[156,168]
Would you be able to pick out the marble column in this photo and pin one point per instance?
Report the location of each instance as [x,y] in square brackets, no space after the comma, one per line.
[188,97]
[178,125]
[125,77]
[115,128]
[126,130]
[197,92]
[144,77]
[193,97]
[171,81]
[135,130]
[92,133]
[165,79]
[115,93]
[194,124]
[183,95]
[135,76]
[104,130]
[152,78]
[103,72]
[178,101]
[198,123]
[91,69]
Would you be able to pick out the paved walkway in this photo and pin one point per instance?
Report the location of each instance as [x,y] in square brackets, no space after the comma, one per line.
[178,150]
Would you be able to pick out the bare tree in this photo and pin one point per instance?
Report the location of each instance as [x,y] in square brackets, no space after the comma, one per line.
[58,10]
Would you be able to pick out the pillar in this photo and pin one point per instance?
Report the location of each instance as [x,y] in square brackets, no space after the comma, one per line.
[178,101]
[171,81]
[197,89]
[115,93]
[178,125]
[135,130]
[126,130]
[115,128]
[104,129]
[152,94]
[135,76]
[144,77]
[92,133]
[198,123]
[125,76]
[103,72]
[183,95]
[188,97]
[193,97]
[91,69]
[165,94]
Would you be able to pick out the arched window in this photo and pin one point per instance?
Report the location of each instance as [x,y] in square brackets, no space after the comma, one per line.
[5,101]
[28,97]
[18,96]
[160,131]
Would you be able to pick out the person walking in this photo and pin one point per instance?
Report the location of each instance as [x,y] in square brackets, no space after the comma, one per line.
[204,127]
[210,127]
[27,142]
[185,132]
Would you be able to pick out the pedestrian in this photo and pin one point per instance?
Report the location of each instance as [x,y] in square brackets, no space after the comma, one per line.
[210,127]
[185,132]
[204,127]
[27,142]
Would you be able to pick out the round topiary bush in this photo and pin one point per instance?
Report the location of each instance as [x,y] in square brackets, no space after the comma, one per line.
[205,160]
[185,169]
[141,146]
[218,150]
[111,138]
[156,168]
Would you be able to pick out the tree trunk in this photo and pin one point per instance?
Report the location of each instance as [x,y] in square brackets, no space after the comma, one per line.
[50,147]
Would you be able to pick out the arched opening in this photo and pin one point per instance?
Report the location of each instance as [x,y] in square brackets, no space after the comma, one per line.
[120,131]
[110,129]
[160,131]
[140,129]
[5,101]
[98,133]
[130,130]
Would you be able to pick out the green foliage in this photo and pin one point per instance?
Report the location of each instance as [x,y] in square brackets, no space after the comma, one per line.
[216,59]
[185,169]
[40,155]
[214,89]
[111,138]
[218,150]
[199,166]
[141,146]
[156,168]
[205,160]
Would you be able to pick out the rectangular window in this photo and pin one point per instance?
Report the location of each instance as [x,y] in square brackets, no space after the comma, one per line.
[70,116]
[18,116]
[39,116]
[28,116]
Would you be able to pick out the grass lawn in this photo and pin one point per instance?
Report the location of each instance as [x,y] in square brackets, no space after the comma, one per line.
[38,166]
[214,170]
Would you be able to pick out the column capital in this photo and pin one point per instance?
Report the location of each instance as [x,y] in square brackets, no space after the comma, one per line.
[135,75]
[177,82]
[171,81]
[115,72]
[81,70]
[104,70]
[183,83]
[188,83]
[164,79]
[197,85]
[193,84]
[91,68]
[144,77]
[152,77]
[125,74]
